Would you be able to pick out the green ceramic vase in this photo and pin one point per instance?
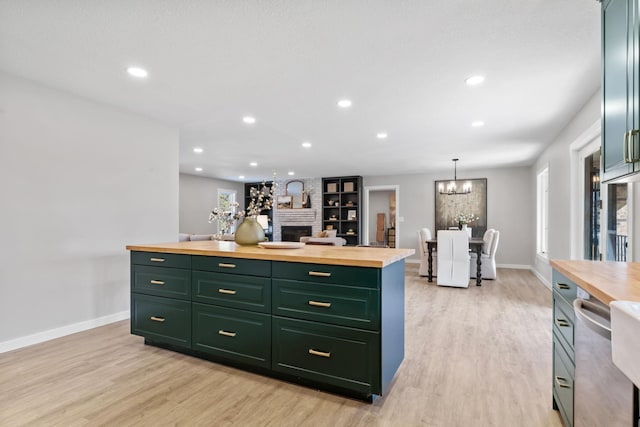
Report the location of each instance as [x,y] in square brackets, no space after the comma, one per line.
[249,232]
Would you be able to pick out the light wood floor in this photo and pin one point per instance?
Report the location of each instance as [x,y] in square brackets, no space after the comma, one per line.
[474,357]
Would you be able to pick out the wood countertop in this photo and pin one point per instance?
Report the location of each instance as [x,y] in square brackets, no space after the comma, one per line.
[606,280]
[314,254]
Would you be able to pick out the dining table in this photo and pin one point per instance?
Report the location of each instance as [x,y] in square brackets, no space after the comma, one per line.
[475,244]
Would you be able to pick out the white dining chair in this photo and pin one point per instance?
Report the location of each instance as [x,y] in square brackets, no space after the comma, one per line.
[453,258]
[488,256]
[424,234]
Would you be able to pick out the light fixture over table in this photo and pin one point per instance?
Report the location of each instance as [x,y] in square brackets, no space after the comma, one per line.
[452,188]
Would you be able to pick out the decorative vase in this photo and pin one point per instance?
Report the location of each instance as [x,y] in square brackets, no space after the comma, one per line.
[463,227]
[249,232]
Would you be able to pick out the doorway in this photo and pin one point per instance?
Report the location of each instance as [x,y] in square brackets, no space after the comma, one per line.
[381,199]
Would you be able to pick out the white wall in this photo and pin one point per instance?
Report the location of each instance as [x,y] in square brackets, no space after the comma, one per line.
[557,157]
[198,197]
[510,208]
[80,181]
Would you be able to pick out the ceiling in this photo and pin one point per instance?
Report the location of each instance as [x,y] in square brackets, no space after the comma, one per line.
[403,63]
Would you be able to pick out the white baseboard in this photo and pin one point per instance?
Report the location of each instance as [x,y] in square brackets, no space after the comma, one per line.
[541,278]
[515,266]
[61,332]
[411,261]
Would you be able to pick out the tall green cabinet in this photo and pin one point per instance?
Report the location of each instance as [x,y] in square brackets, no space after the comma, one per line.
[620,88]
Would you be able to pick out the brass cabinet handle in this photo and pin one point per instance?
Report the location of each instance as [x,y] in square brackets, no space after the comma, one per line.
[226,334]
[563,286]
[320,304]
[156,282]
[157,319]
[227,291]
[319,274]
[225,265]
[156,259]
[319,353]
[562,323]
[562,382]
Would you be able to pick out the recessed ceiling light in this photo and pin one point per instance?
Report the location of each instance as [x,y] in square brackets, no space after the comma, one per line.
[477,124]
[474,80]
[344,103]
[249,120]
[291,173]
[137,72]
[306,144]
[254,164]
[198,169]
[381,135]
[198,150]
[241,177]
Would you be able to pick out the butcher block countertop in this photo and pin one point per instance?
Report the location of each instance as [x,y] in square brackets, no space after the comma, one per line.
[314,254]
[606,280]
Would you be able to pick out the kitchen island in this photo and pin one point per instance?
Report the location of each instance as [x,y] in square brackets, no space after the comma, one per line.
[323,316]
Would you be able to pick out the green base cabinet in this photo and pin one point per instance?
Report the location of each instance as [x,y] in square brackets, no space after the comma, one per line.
[340,328]
[564,292]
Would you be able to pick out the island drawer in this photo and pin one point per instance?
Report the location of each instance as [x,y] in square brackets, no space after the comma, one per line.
[234,334]
[342,357]
[161,319]
[250,267]
[563,378]
[168,282]
[332,274]
[564,321]
[564,287]
[161,259]
[335,304]
[232,290]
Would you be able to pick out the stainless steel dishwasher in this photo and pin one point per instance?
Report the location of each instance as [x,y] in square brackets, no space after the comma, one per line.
[603,396]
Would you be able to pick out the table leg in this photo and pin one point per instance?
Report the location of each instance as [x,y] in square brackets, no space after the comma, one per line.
[430,262]
[479,265]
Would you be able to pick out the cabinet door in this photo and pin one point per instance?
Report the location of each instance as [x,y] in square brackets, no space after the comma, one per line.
[161,319]
[615,86]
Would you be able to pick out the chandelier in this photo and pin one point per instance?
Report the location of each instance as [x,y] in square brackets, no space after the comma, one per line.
[452,187]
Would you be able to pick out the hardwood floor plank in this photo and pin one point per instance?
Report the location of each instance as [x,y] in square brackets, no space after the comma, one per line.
[479,356]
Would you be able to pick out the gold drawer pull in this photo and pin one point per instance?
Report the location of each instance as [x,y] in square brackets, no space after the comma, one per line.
[562,382]
[156,259]
[226,334]
[319,274]
[320,304]
[562,323]
[156,282]
[225,265]
[319,353]
[157,319]
[227,291]
[563,286]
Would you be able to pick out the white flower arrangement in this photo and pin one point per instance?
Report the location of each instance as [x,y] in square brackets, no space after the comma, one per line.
[465,218]
[226,218]
[261,199]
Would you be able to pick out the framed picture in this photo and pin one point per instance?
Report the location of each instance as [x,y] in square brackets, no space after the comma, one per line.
[351,215]
[472,203]
[284,202]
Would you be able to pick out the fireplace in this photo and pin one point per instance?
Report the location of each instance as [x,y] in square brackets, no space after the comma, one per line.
[293,233]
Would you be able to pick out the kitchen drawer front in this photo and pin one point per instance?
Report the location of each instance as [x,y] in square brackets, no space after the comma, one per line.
[168,282]
[250,267]
[334,355]
[161,319]
[564,321]
[161,259]
[332,274]
[238,335]
[230,290]
[335,304]
[563,380]
[565,287]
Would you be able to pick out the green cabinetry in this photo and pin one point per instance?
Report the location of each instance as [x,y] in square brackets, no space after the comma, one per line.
[335,327]
[564,292]
[620,88]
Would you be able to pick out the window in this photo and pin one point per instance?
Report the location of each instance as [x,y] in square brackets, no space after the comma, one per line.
[542,203]
[226,199]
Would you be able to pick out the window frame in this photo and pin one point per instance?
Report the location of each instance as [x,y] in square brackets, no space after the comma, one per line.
[542,212]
